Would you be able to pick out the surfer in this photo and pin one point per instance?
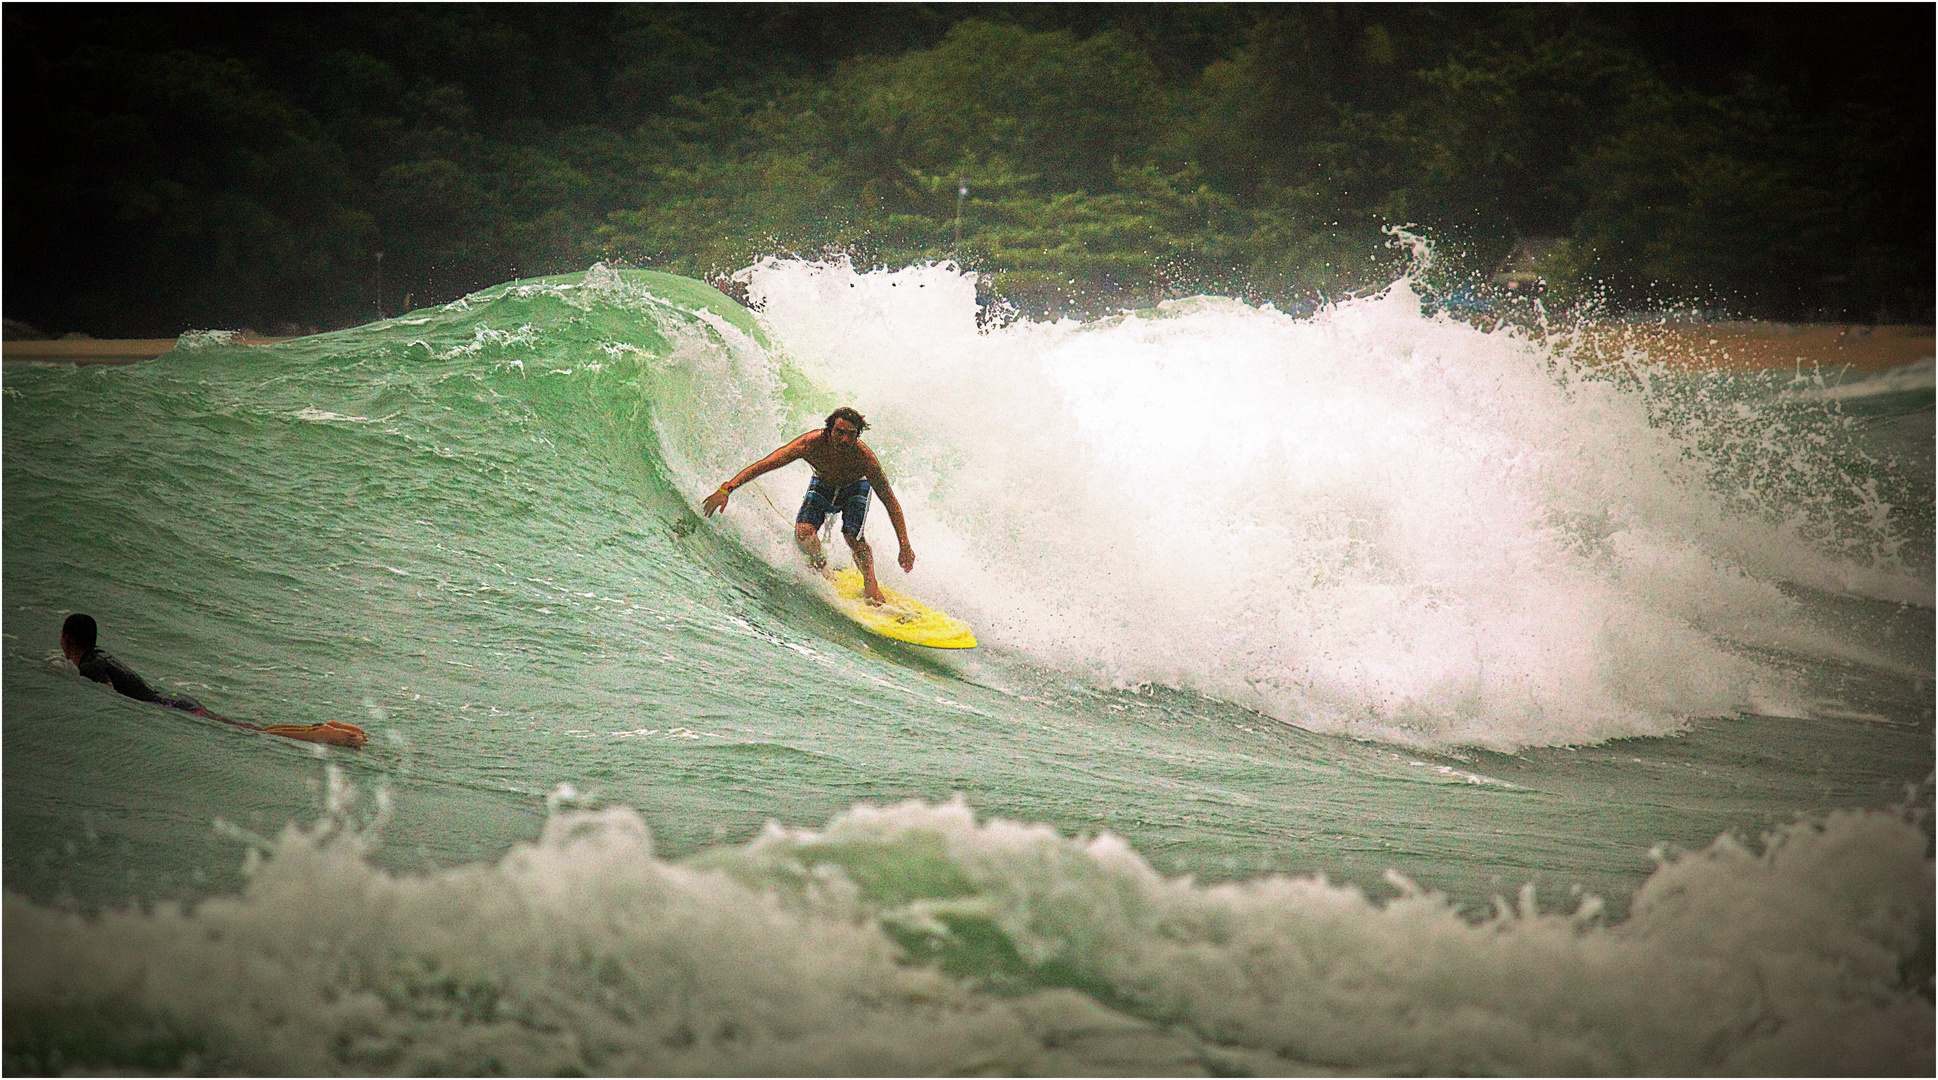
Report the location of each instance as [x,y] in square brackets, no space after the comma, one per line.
[845,472]
[78,636]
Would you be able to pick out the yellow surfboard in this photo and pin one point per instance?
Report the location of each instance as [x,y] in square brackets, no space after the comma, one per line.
[903,618]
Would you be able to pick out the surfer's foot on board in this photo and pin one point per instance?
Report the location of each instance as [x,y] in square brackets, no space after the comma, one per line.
[818,563]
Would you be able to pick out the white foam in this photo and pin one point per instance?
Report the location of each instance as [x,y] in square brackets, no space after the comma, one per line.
[914,940]
[1370,521]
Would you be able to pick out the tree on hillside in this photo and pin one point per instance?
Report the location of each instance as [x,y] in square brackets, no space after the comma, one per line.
[173,166]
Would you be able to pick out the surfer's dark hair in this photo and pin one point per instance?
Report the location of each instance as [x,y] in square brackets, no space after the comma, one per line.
[80,630]
[845,413]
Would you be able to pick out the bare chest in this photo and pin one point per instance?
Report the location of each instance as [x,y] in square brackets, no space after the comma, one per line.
[834,464]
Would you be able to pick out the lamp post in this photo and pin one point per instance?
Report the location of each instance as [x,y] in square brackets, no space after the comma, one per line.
[962,193]
[380,284]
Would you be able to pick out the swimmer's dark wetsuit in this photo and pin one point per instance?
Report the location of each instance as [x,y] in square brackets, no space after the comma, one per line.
[99,665]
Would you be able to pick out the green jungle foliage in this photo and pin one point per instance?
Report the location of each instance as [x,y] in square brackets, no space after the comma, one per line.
[316,165]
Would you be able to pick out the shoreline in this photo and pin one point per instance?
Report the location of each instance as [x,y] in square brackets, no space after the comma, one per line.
[1739,346]
[1757,346]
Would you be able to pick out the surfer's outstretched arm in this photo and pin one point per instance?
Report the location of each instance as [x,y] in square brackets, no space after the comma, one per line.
[879,481]
[791,452]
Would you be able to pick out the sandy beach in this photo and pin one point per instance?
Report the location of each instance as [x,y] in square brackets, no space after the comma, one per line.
[1752,346]
[100,350]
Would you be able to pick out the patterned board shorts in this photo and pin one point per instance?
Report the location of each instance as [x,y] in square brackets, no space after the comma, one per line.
[823,498]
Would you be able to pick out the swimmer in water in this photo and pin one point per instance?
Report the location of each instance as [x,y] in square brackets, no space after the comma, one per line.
[78,635]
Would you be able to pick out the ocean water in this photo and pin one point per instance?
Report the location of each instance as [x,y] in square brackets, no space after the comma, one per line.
[1359,692]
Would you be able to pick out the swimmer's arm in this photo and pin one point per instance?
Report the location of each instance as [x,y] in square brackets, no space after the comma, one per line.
[793,451]
[332,732]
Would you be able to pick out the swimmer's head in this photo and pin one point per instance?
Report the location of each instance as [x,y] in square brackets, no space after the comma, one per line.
[78,635]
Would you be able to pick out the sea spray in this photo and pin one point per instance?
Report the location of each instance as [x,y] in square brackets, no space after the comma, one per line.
[1371,521]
